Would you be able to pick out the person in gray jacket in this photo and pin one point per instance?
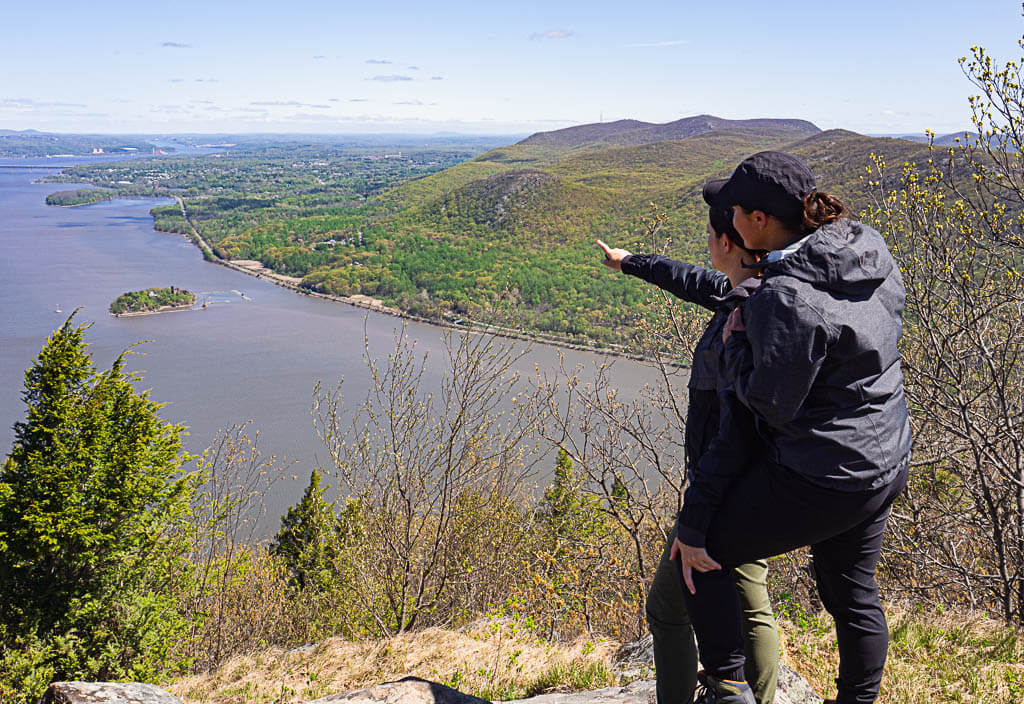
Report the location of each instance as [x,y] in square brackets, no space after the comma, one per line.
[811,351]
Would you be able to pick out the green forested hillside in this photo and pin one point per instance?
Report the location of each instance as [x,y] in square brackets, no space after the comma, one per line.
[524,217]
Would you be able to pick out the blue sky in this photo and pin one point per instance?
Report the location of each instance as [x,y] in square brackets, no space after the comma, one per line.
[490,67]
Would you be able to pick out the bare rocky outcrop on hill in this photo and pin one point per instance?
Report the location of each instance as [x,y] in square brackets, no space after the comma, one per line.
[492,200]
[634,132]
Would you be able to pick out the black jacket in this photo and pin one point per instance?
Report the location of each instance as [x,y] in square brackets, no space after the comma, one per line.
[720,435]
[704,287]
[818,366]
[734,447]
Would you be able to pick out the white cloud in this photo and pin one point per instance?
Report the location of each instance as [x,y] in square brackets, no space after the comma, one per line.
[650,45]
[551,34]
[278,103]
[29,104]
[164,109]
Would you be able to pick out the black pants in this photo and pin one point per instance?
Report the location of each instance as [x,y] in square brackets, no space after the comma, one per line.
[770,511]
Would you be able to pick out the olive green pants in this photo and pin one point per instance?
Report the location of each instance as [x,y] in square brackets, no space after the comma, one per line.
[675,650]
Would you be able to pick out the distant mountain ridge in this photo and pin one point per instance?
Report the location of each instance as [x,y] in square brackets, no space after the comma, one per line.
[635,132]
[944,140]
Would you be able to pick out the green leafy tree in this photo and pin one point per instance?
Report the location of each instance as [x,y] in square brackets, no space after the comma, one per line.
[90,500]
[567,511]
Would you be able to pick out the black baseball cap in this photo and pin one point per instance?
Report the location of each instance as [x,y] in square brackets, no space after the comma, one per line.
[775,183]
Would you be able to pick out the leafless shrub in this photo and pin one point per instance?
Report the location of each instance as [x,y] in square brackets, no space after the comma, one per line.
[436,481]
[955,228]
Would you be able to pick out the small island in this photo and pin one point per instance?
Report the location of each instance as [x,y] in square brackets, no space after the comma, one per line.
[81,196]
[152,300]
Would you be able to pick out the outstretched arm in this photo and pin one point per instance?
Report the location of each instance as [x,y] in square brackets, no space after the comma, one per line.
[686,281]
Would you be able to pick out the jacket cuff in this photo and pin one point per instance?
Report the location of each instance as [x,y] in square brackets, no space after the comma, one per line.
[689,536]
[630,265]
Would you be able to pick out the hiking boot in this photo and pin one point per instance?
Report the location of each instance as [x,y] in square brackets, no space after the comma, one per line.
[716,691]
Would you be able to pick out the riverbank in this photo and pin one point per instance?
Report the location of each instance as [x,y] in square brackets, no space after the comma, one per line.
[376,305]
[161,309]
[256,268]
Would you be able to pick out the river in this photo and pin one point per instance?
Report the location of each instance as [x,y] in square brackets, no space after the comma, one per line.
[245,358]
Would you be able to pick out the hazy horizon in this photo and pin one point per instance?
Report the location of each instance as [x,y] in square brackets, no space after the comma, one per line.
[484,68]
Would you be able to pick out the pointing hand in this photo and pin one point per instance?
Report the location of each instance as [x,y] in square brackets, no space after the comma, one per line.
[612,257]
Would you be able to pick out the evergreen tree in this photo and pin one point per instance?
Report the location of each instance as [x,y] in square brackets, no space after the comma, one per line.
[90,496]
[569,554]
[569,512]
[307,538]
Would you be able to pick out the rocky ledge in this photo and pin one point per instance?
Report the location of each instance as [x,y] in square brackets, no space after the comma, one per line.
[633,660]
[411,690]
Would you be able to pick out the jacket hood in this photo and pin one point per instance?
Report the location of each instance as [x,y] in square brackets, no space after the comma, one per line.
[845,257]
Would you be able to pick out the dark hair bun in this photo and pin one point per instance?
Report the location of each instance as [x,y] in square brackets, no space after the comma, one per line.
[821,209]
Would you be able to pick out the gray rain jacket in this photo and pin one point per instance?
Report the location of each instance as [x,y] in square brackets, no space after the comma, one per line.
[818,366]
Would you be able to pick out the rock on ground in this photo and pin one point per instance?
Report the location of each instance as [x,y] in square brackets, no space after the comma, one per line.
[410,690]
[792,690]
[637,660]
[639,692]
[106,693]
